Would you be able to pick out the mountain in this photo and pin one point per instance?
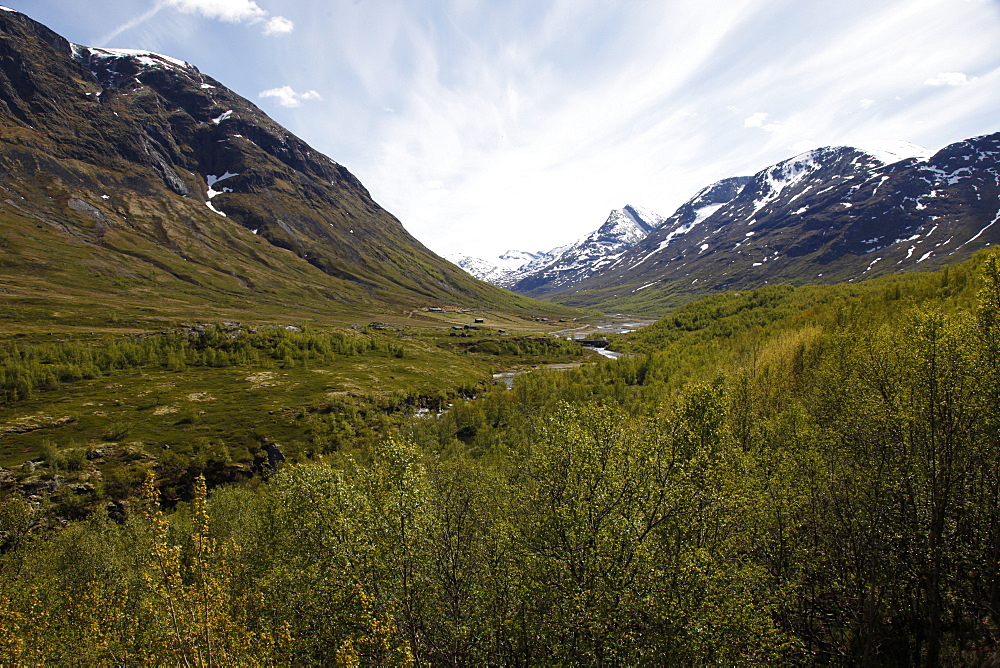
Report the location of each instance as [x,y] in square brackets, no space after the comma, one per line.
[134,174]
[547,271]
[623,231]
[829,215]
[499,271]
[571,265]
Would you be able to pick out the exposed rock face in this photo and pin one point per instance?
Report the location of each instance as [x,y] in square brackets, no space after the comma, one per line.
[275,457]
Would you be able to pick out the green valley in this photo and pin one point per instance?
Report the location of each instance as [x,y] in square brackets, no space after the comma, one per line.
[246,418]
[786,475]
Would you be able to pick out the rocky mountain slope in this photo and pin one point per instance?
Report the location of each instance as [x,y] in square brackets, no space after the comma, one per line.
[134,172]
[828,215]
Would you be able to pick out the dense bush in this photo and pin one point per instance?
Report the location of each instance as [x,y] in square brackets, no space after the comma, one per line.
[26,368]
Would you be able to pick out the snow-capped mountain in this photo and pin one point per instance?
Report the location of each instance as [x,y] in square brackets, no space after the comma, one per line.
[827,215]
[535,262]
[566,265]
[624,227]
[831,214]
[497,270]
[569,265]
[478,267]
[693,212]
[605,248]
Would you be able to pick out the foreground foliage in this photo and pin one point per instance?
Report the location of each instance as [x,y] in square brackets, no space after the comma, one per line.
[820,483]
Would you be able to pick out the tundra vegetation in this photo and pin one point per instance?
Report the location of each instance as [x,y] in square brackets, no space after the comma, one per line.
[788,475]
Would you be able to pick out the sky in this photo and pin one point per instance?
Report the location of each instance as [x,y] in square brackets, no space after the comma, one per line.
[487,125]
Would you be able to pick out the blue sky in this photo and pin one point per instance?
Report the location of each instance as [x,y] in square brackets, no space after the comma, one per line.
[488,125]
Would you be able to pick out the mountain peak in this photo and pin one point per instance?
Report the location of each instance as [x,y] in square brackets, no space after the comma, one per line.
[625,226]
[566,265]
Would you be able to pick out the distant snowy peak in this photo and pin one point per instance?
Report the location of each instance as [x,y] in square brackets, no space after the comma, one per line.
[475,266]
[627,225]
[623,229]
[502,270]
[515,259]
[569,265]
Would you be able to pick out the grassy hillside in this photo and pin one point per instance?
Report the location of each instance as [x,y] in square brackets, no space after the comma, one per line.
[52,277]
[133,189]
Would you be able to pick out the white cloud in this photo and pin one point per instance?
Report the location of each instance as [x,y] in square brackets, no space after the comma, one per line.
[537,118]
[278,25]
[949,79]
[287,97]
[759,120]
[234,11]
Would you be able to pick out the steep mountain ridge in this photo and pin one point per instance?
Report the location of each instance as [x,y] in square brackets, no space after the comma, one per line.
[692,213]
[156,173]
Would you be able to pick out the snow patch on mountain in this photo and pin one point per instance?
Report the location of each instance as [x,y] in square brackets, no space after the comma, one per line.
[211,180]
[786,174]
[89,54]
